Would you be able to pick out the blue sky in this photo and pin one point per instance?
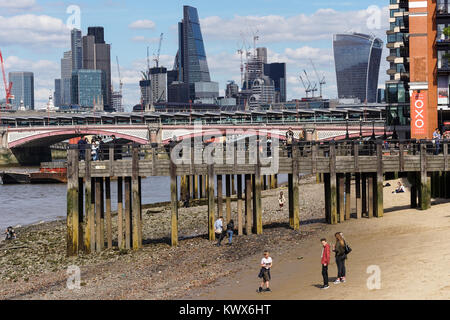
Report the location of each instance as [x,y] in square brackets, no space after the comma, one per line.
[33,35]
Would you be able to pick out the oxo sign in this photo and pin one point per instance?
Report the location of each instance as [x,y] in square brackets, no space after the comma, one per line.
[419,120]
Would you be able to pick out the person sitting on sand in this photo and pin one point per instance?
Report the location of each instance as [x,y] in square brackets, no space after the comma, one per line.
[281,200]
[400,188]
[10,233]
[264,273]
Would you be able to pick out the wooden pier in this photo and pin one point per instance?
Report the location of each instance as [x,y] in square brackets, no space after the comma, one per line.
[340,166]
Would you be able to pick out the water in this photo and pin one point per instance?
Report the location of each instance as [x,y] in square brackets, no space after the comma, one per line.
[30,204]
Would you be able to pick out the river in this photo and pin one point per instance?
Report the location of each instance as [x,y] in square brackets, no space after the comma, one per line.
[29,204]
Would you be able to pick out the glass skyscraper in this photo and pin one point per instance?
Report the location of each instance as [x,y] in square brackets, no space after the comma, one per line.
[191,57]
[22,89]
[357,60]
[87,87]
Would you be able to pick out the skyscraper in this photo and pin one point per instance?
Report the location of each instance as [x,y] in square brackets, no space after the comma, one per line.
[97,56]
[357,60]
[57,93]
[87,87]
[277,72]
[66,78]
[159,84]
[22,89]
[77,49]
[191,60]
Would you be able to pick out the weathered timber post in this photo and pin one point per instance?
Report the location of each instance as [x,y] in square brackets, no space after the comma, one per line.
[233,185]
[358,195]
[204,187]
[379,210]
[120,235]
[98,215]
[219,195]
[73,240]
[348,181]
[228,196]
[294,201]
[248,204]
[127,213]
[425,181]
[174,203]
[341,196]
[257,203]
[195,183]
[211,203]
[108,212]
[239,204]
[412,178]
[102,210]
[183,188]
[89,231]
[327,189]
[333,188]
[364,197]
[264,182]
[136,203]
[81,216]
[371,191]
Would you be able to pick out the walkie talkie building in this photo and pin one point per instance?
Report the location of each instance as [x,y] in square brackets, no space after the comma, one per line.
[357,60]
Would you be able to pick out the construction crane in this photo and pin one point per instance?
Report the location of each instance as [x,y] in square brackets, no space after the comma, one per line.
[322,81]
[156,59]
[120,82]
[312,86]
[8,85]
[307,88]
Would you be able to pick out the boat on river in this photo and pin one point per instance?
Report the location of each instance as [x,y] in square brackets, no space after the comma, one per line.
[49,172]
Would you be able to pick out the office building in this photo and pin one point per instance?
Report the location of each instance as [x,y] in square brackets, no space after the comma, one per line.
[117,101]
[263,91]
[57,93]
[178,92]
[232,90]
[277,72]
[77,49]
[158,77]
[191,62]
[397,87]
[97,56]
[172,75]
[66,79]
[146,92]
[357,61]
[87,88]
[22,89]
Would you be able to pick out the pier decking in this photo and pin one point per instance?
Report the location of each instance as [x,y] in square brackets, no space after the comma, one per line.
[89,219]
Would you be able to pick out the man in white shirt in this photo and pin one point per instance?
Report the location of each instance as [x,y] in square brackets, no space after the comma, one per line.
[264,273]
[218,229]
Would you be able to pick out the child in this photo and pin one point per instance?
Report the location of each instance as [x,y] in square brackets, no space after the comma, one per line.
[281,200]
[264,273]
[325,261]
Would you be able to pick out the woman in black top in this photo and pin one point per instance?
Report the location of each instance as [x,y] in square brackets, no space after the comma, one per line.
[339,249]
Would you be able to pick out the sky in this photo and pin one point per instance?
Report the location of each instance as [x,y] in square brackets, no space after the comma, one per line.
[35,33]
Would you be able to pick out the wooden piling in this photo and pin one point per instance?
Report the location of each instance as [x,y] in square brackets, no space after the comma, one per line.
[341,196]
[364,208]
[127,213]
[195,183]
[120,234]
[333,187]
[233,185]
[174,204]
[136,203]
[294,214]
[425,180]
[98,215]
[257,202]
[327,191]
[370,195]
[239,204]
[379,210]
[219,196]
[228,197]
[211,203]
[73,240]
[348,180]
[248,204]
[358,195]
[108,216]
[89,231]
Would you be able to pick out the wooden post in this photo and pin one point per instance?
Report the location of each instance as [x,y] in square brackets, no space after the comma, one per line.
[248,204]
[81,215]
[371,201]
[127,213]
[412,178]
[195,183]
[108,212]
[89,232]
[379,210]
[183,188]
[333,188]
[219,196]
[102,210]
[348,180]
[228,196]
[136,203]
[72,203]
[239,204]
[204,188]
[98,215]
[233,185]
[294,215]
[358,195]
[211,203]
[341,196]
[257,203]
[174,203]
[364,193]
[327,189]
[425,181]
[120,235]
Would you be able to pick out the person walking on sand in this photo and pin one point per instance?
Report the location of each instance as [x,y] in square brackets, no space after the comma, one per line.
[325,262]
[218,229]
[230,231]
[264,273]
[339,249]
[281,200]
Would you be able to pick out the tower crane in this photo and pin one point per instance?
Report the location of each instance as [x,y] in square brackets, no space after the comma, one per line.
[120,82]
[8,86]
[156,59]
[321,80]
[307,88]
[312,86]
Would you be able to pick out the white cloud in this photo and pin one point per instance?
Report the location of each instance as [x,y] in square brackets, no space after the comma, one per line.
[17,5]
[142,24]
[145,39]
[34,30]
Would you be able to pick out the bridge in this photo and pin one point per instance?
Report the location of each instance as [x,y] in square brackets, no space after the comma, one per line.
[363,164]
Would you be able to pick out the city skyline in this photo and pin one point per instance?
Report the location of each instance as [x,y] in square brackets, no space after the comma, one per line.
[284,31]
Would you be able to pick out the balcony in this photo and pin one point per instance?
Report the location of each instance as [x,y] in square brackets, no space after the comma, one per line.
[443,10]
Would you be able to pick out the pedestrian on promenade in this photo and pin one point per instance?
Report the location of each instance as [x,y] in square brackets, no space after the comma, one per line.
[289,141]
[218,229]
[264,273]
[230,231]
[339,249]
[437,140]
[82,147]
[325,262]
[281,200]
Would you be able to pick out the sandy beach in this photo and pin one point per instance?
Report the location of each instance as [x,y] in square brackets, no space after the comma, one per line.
[409,247]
